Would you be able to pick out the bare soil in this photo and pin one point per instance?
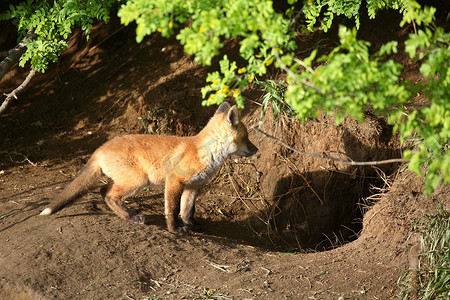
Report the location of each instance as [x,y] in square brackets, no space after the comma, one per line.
[277,225]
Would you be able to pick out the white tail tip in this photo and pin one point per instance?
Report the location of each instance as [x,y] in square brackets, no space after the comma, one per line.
[46,212]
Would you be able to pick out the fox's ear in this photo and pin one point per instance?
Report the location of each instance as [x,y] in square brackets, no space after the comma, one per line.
[223,108]
[233,116]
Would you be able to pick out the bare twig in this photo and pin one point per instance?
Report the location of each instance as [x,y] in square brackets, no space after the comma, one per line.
[245,203]
[15,53]
[349,162]
[306,181]
[267,270]
[19,154]
[222,268]
[17,91]
[297,16]
[294,76]
[158,284]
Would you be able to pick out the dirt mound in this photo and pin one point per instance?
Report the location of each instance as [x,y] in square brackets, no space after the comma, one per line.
[264,217]
[9,291]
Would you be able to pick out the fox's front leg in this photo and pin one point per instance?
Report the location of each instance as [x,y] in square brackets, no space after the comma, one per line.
[188,209]
[172,195]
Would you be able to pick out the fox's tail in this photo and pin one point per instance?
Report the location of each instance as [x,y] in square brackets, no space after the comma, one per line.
[78,187]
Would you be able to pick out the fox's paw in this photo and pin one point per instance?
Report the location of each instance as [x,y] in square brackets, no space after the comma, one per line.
[179,230]
[195,227]
[138,218]
[187,229]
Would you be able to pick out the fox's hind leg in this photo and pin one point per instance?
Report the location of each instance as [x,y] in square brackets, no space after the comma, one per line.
[114,195]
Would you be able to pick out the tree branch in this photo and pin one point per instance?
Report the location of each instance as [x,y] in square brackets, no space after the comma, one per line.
[297,16]
[17,91]
[15,53]
[349,161]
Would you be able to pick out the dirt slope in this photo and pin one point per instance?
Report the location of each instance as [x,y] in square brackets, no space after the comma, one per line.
[266,218]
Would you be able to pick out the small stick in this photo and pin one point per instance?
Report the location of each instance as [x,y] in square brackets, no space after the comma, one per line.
[220,267]
[297,16]
[349,162]
[19,154]
[242,200]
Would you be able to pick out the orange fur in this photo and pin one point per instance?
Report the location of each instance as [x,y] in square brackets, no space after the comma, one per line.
[181,164]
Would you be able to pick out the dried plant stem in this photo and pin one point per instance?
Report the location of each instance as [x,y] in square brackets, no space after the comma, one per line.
[19,154]
[295,20]
[242,200]
[349,161]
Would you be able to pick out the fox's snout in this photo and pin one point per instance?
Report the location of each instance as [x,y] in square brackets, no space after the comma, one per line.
[251,149]
[246,149]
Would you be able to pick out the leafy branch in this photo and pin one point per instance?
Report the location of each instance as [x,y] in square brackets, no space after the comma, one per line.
[44,27]
[52,23]
[12,57]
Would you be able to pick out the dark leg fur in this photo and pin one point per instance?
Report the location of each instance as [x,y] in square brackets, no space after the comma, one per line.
[173,192]
[188,210]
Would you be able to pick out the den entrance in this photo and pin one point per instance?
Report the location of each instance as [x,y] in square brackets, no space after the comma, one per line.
[291,202]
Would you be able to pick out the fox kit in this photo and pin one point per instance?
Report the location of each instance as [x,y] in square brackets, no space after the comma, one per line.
[181,164]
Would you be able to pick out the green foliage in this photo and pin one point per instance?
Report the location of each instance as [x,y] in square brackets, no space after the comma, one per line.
[433,270]
[348,8]
[275,97]
[261,32]
[152,16]
[41,52]
[53,22]
[326,10]
[431,124]
[350,83]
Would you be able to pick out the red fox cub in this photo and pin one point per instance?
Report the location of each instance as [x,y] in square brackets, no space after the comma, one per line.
[181,164]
